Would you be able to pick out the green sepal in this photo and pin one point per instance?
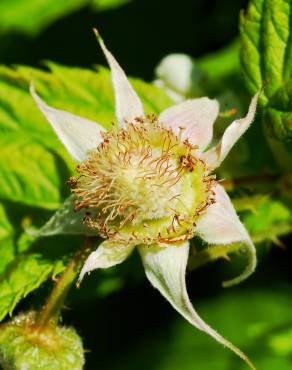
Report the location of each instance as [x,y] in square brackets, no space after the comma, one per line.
[64,221]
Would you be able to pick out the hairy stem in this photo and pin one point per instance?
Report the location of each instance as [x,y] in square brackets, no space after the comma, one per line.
[49,314]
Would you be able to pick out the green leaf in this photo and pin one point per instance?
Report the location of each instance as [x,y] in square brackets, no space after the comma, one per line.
[34,164]
[26,273]
[266,60]
[15,282]
[33,16]
[266,45]
[29,173]
[278,112]
[90,94]
[6,240]
[268,219]
[30,263]
[24,266]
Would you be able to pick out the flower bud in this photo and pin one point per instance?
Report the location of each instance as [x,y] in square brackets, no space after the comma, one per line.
[23,346]
[180,75]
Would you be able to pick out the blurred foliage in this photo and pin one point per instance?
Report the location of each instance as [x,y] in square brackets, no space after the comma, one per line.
[268,219]
[257,320]
[33,16]
[220,66]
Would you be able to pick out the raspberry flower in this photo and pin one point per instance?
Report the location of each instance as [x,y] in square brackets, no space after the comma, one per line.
[147,183]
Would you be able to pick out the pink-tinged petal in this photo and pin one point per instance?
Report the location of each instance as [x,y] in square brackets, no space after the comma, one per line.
[216,155]
[107,255]
[79,135]
[194,119]
[221,225]
[128,105]
[165,267]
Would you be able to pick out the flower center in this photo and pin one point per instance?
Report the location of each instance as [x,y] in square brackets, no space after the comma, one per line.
[143,184]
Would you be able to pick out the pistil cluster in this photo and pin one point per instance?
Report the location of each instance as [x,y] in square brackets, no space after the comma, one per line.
[143,184]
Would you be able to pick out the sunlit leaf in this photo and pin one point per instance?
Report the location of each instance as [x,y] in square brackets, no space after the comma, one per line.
[33,16]
[266,60]
[26,273]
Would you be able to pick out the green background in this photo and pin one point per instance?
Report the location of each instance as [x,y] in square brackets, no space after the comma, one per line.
[124,323]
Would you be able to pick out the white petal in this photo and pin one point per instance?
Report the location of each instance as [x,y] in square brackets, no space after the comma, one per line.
[177,72]
[165,267]
[108,254]
[128,104]
[65,221]
[196,117]
[79,135]
[216,155]
[221,225]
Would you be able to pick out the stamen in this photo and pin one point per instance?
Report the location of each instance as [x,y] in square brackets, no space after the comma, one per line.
[136,177]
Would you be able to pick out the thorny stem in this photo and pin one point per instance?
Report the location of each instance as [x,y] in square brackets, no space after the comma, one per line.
[50,313]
